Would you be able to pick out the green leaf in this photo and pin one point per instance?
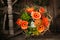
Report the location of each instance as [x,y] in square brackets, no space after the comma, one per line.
[28,33]
[25,16]
[30,28]
[36,33]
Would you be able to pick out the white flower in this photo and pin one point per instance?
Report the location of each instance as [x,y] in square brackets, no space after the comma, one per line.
[32,24]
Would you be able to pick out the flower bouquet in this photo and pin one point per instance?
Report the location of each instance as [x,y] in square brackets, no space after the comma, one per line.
[34,21]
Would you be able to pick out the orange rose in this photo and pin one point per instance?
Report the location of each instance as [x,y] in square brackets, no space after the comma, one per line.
[18,22]
[37,22]
[24,25]
[45,21]
[29,10]
[42,10]
[41,28]
[36,15]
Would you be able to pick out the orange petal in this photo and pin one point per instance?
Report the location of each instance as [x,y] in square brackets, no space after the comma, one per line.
[42,10]
[36,15]
[29,10]
[24,25]
[18,22]
[41,28]
[45,21]
[37,22]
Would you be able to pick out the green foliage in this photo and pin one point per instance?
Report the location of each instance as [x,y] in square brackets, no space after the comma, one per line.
[35,33]
[25,16]
[28,33]
[32,31]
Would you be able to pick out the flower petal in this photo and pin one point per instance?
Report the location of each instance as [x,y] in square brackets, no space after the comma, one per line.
[41,28]
[24,25]
[36,15]
[18,22]
[29,10]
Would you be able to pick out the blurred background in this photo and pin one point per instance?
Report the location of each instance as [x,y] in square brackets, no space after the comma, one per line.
[53,7]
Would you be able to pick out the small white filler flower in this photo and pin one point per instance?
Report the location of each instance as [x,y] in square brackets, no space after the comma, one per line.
[32,24]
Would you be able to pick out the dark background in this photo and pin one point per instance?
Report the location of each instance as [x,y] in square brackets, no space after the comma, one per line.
[52,34]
